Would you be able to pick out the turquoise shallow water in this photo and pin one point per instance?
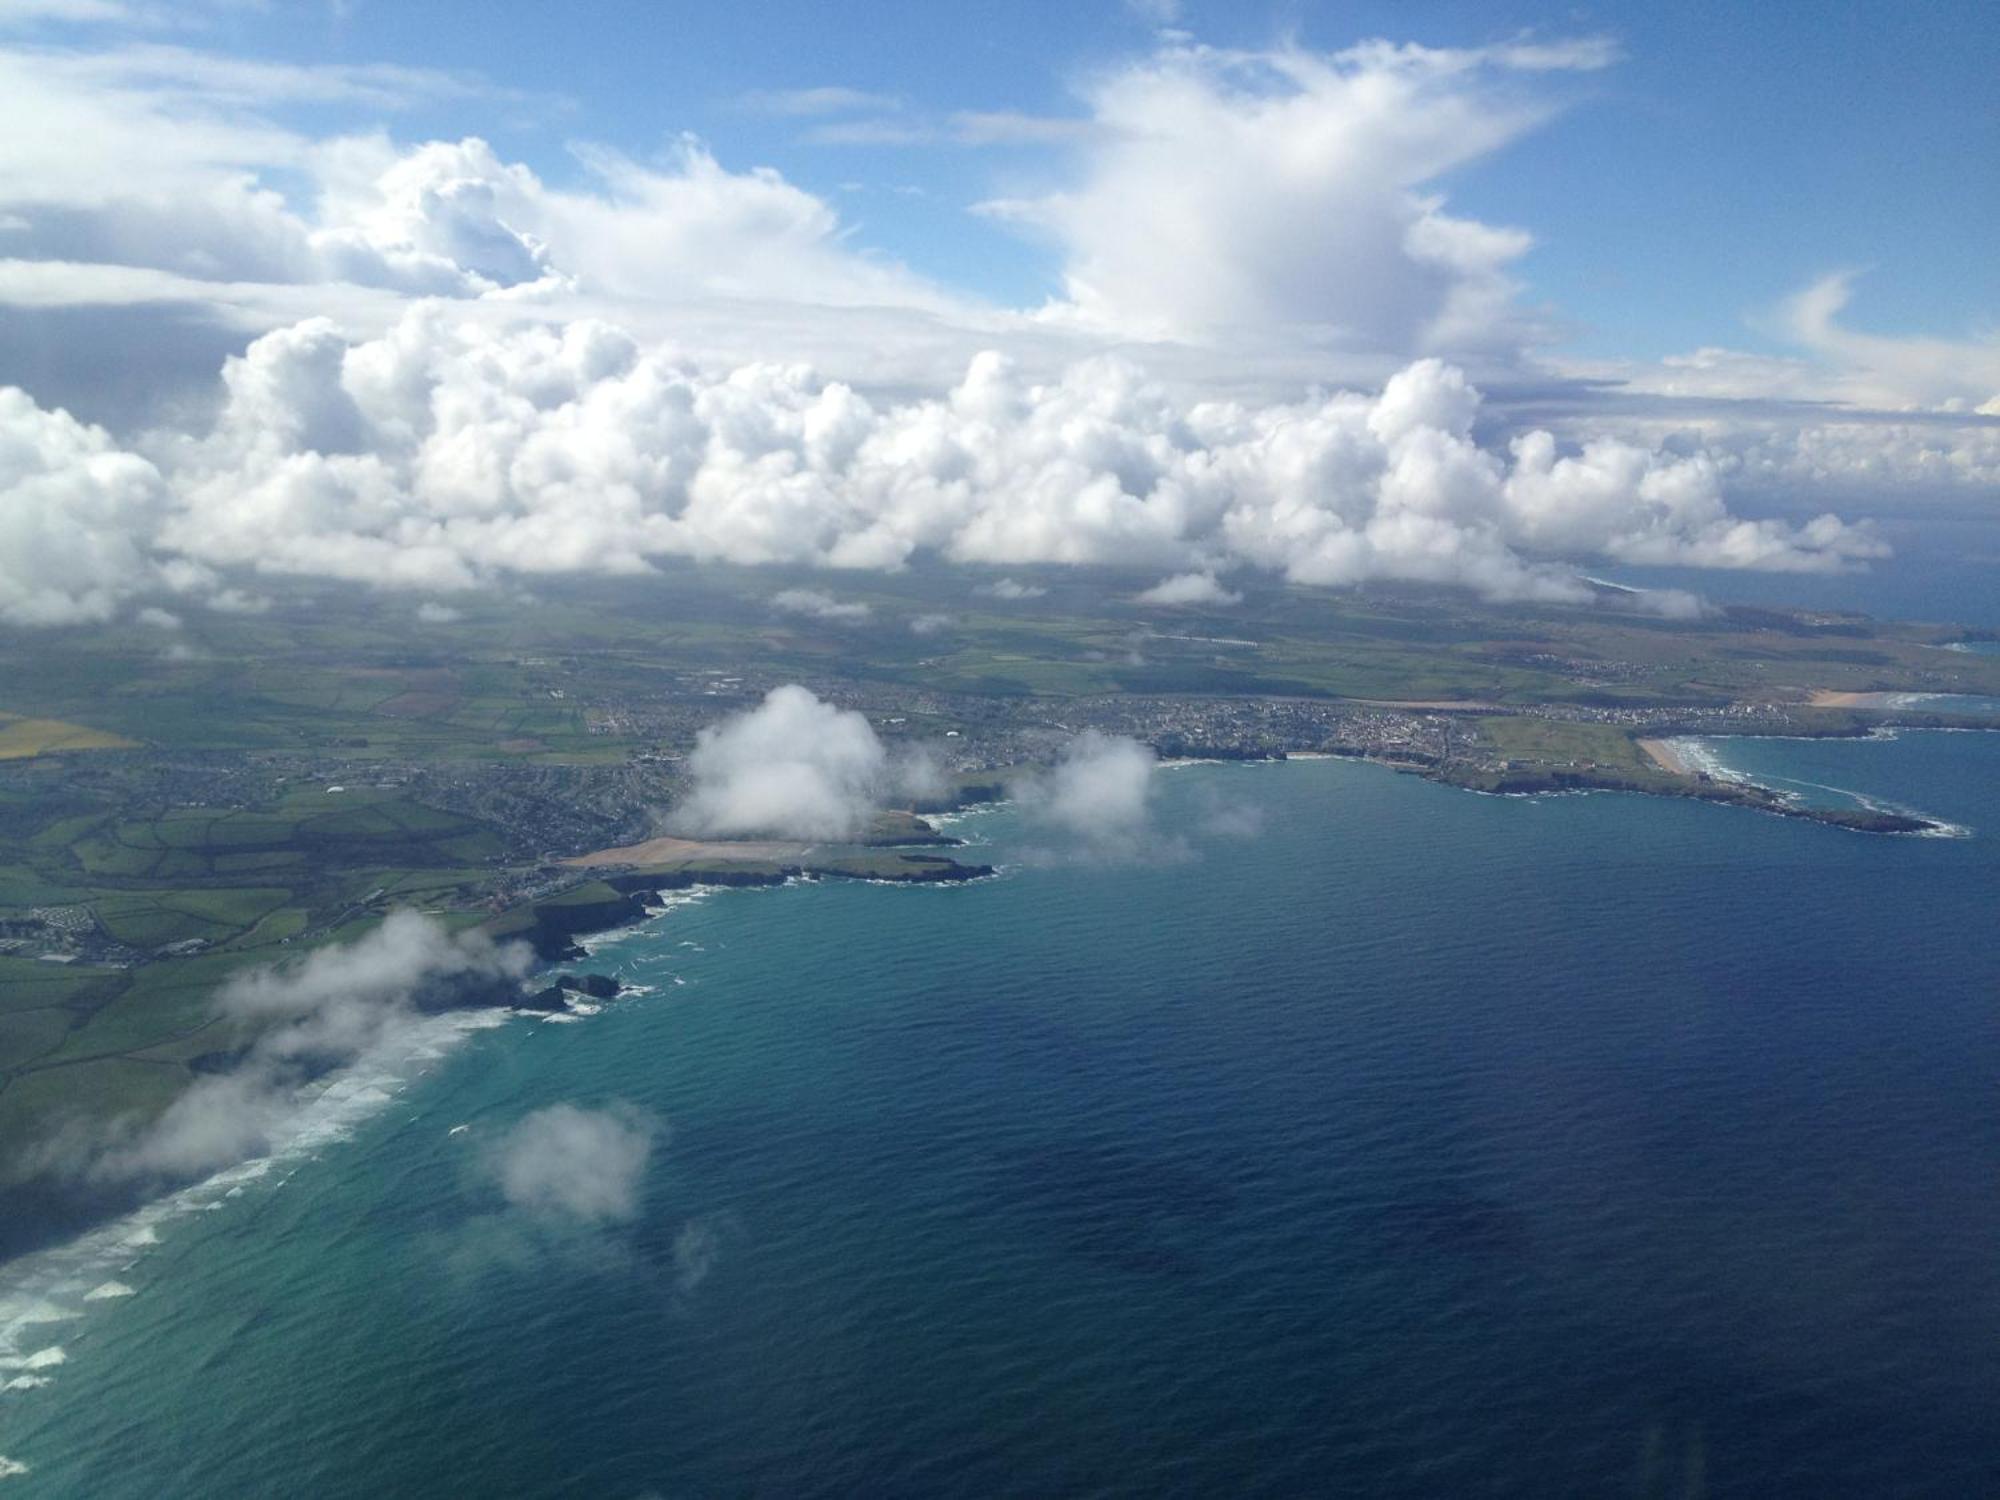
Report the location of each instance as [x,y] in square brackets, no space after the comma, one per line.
[1419,1144]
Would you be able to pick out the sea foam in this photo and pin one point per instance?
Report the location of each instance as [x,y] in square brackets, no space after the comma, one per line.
[56,1284]
[62,1282]
[41,1359]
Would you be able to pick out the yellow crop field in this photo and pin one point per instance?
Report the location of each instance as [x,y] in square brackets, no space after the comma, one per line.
[23,738]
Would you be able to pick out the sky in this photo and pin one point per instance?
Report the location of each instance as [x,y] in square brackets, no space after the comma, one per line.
[1755,131]
[430,296]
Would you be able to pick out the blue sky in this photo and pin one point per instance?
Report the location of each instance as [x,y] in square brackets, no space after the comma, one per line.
[438,295]
[1734,154]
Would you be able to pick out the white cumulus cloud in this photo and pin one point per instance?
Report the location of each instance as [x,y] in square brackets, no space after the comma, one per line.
[1097,797]
[584,1166]
[794,766]
[1188,589]
[446,452]
[1010,590]
[76,517]
[1253,191]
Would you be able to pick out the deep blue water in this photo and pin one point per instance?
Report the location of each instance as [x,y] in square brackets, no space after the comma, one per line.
[1419,1144]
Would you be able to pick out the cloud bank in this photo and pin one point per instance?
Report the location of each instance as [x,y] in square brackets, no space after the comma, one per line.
[438,379]
[446,454]
[75,516]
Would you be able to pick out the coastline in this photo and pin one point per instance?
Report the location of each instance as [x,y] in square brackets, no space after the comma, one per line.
[1666,755]
[46,1290]
[97,1260]
[708,1029]
[619,896]
[624,892]
[45,1294]
[1703,759]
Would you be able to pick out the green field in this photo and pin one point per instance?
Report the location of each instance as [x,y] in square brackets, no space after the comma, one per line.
[198,893]
[1558,742]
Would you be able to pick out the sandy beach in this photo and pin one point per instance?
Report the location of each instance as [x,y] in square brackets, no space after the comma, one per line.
[1663,755]
[1829,698]
[666,850]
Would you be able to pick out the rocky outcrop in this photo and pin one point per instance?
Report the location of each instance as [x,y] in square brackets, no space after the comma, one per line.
[596,986]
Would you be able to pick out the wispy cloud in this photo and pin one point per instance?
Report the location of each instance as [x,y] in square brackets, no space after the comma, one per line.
[960,128]
[821,605]
[825,100]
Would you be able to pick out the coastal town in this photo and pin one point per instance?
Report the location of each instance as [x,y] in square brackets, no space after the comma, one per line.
[542,815]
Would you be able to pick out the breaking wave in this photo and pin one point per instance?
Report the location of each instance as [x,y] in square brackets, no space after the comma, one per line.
[62,1283]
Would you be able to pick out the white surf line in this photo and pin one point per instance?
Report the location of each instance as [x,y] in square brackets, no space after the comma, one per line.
[1940,827]
[1866,801]
[1700,755]
[90,1273]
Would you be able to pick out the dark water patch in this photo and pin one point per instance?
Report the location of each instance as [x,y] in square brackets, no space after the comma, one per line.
[1113,1206]
[1445,1224]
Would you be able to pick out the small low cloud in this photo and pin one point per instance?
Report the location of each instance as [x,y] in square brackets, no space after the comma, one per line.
[930,624]
[432,613]
[578,1166]
[1661,604]
[1188,589]
[159,619]
[1007,588]
[1098,798]
[1670,604]
[820,605]
[795,766]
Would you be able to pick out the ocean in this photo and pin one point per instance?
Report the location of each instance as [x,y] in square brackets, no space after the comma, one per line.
[1365,1137]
